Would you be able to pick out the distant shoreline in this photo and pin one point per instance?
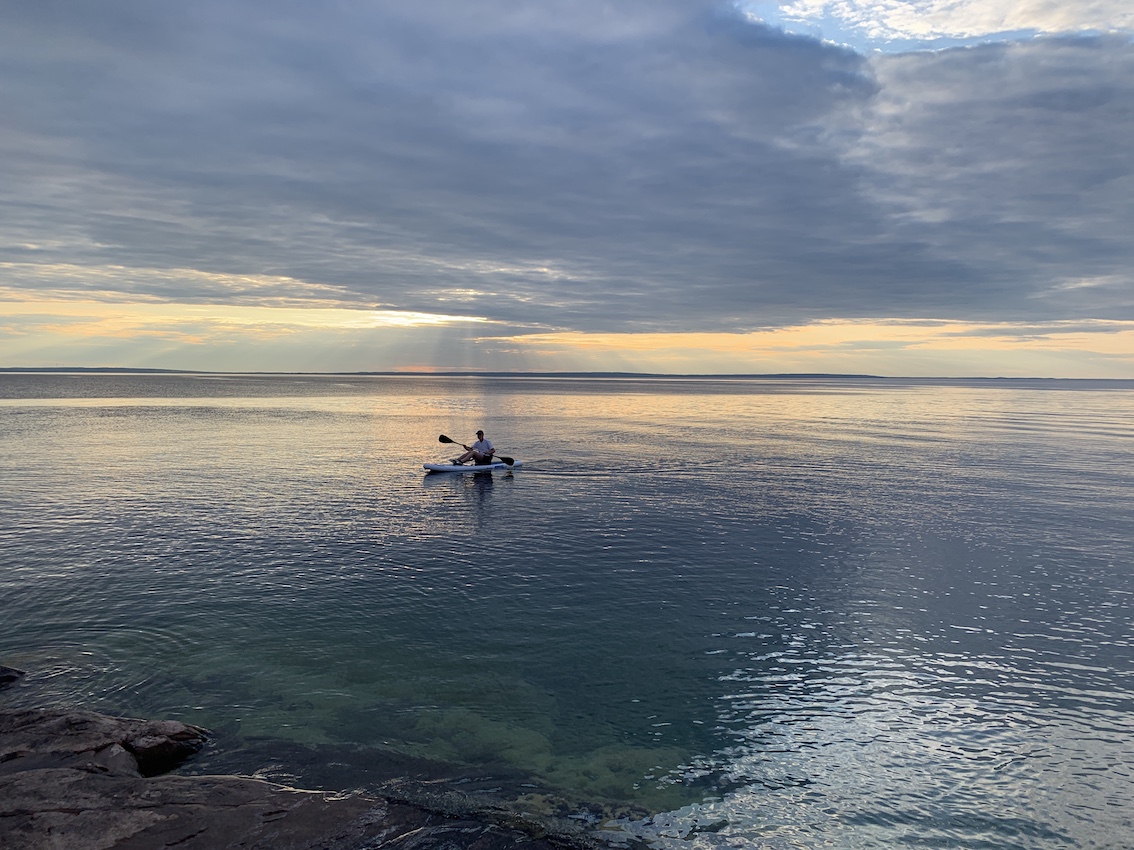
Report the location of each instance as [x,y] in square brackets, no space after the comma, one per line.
[753,376]
[122,370]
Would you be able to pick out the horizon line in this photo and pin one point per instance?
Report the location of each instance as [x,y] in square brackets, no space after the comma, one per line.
[118,370]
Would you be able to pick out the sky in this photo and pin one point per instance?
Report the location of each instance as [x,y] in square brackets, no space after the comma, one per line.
[890,187]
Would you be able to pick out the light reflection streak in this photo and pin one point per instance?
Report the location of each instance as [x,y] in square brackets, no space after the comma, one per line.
[857,751]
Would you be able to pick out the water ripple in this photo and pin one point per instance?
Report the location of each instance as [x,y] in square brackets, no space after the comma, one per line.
[829,615]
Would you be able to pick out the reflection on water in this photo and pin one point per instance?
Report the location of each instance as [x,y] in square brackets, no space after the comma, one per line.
[470,491]
[473,485]
[793,614]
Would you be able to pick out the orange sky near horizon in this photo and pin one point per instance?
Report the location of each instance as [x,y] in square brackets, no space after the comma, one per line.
[246,338]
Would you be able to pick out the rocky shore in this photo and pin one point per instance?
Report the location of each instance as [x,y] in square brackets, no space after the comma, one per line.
[78,780]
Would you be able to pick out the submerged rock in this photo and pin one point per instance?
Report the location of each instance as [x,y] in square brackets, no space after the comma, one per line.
[84,780]
[9,675]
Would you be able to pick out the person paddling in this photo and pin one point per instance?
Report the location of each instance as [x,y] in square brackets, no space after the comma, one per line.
[481,451]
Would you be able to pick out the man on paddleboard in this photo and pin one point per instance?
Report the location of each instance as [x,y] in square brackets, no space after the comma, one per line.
[481,451]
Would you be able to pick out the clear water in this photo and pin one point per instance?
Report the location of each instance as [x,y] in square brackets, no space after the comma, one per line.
[786,614]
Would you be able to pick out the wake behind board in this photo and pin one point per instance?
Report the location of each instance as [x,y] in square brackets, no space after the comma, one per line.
[483,467]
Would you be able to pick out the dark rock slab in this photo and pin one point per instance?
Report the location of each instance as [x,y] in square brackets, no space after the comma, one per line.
[71,738]
[61,807]
[75,780]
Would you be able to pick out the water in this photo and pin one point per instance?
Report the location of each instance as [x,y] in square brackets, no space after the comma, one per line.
[785,614]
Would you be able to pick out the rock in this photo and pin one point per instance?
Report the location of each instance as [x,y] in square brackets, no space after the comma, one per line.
[114,760]
[9,675]
[67,808]
[77,780]
[163,746]
[70,738]
[60,807]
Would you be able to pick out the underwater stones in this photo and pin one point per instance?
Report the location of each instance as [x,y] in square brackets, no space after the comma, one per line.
[8,675]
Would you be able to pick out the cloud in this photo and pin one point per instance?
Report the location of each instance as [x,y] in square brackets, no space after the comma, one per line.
[1010,157]
[884,347]
[932,19]
[564,167]
[205,337]
[113,283]
[229,338]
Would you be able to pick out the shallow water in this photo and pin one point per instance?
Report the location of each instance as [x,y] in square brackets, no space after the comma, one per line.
[785,613]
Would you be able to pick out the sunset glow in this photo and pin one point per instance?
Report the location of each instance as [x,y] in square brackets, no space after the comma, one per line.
[904,188]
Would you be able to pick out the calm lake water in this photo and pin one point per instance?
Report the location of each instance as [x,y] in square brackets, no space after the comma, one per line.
[796,613]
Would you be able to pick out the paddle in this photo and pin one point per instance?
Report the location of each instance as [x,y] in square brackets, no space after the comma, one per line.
[504,459]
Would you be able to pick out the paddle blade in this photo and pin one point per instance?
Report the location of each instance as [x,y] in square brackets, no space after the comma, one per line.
[505,459]
[444,439]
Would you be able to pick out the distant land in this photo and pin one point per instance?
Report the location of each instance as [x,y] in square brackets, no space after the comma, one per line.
[98,370]
[124,370]
[770,376]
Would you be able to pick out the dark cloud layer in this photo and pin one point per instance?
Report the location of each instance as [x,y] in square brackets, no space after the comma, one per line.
[653,165]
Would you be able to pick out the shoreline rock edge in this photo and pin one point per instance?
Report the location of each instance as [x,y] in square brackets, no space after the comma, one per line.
[82,780]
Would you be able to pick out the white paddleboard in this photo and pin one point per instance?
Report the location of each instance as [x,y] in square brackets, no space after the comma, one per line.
[483,467]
